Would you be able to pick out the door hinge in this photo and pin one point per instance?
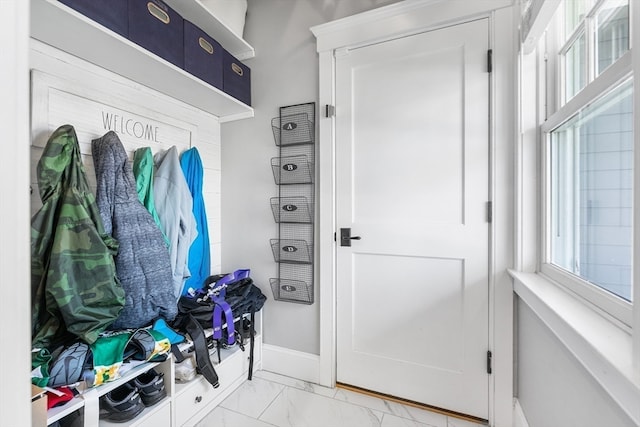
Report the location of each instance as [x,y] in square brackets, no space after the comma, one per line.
[335,238]
[489,60]
[329,110]
[343,51]
[489,212]
[489,365]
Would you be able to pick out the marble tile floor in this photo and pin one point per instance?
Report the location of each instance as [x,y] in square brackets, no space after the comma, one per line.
[274,400]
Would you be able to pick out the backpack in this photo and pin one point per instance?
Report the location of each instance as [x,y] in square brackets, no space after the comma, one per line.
[224,297]
[244,297]
[241,294]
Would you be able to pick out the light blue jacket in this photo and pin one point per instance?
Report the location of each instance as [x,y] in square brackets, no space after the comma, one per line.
[175,210]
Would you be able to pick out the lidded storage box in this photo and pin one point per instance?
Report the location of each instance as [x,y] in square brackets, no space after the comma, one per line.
[157,28]
[236,80]
[202,55]
[111,14]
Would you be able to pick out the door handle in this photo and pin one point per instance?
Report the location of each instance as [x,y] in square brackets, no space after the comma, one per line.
[346,237]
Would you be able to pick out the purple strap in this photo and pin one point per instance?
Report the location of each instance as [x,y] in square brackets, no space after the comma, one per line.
[222,306]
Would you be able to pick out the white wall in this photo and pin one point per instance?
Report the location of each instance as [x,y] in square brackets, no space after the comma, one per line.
[15,320]
[284,72]
[553,388]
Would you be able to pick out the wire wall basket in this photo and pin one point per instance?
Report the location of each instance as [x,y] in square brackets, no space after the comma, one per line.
[292,170]
[293,129]
[296,209]
[292,290]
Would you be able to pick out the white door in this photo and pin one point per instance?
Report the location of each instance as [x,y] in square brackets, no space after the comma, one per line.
[412,168]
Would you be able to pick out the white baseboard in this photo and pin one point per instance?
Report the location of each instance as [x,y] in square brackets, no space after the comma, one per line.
[291,363]
[519,420]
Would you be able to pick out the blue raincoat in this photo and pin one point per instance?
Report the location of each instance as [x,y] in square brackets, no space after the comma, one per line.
[199,253]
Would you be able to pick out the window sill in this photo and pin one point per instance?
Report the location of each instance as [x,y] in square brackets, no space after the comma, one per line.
[602,347]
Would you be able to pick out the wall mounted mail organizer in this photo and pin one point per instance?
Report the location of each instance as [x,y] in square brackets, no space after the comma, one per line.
[293,209]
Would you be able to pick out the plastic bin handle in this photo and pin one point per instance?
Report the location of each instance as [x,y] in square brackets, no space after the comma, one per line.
[158,13]
[237,69]
[206,46]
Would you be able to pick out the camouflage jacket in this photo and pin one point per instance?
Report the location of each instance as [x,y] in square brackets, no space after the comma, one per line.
[74,287]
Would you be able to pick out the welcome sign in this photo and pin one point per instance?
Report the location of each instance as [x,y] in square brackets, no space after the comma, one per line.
[127,124]
[93,114]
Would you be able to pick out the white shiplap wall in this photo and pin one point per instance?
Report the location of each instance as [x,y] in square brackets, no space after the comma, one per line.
[68,90]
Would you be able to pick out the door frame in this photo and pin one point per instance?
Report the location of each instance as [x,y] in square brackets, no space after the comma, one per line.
[398,20]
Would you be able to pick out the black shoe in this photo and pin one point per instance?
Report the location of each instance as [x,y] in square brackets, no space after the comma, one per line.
[121,404]
[151,387]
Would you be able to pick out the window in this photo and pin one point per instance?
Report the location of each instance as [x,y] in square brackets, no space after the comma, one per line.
[594,38]
[575,67]
[611,33]
[589,160]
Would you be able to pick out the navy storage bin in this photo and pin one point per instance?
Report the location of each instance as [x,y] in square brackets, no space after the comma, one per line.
[111,14]
[202,55]
[157,28]
[236,79]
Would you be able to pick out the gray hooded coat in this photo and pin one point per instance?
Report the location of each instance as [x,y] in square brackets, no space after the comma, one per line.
[175,209]
[143,264]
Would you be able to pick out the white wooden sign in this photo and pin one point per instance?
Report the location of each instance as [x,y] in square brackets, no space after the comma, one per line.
[57,102]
